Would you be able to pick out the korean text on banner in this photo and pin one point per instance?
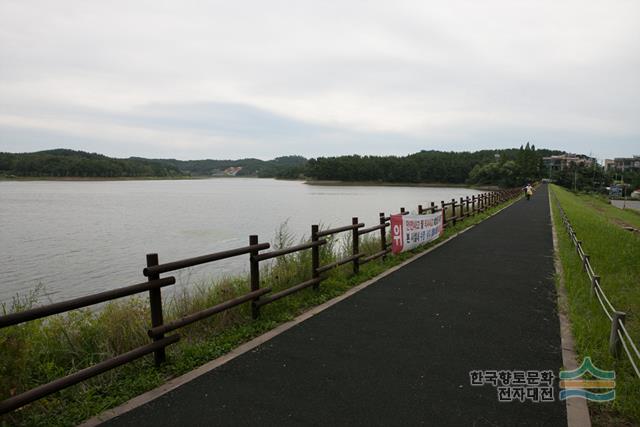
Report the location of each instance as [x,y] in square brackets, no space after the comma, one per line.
[410,231]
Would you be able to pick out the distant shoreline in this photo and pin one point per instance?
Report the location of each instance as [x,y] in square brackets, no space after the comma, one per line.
[398,184]
[112,178]
[307,182]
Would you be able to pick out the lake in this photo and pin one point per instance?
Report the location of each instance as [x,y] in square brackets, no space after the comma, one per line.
[80,237]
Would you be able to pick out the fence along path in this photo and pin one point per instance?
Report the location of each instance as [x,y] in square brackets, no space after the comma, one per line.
[399,352]
[258,297]
[619,336]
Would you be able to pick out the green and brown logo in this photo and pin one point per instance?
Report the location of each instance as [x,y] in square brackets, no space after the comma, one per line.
[575,385]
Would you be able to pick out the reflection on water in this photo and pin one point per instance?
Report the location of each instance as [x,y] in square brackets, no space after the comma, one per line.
[78,238]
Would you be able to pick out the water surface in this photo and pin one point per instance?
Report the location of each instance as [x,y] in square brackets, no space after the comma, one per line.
[80,237]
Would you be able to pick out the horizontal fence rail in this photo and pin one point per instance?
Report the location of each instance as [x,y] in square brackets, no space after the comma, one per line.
[374,228]
[339,229]
[619,337]
[34,394]
[191,262]
[203,314]
[339,263]
[61,307]
[257,296]
[289,291]
[290,250]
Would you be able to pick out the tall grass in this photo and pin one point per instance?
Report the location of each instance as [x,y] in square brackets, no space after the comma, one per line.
[40,351]
[614,254]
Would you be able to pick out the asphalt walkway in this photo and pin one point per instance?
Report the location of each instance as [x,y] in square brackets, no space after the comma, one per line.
[400,351]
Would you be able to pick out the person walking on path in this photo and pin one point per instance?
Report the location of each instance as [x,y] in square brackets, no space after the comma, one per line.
[528,191]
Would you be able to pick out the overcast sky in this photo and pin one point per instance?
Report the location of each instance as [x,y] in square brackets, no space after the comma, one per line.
[231,79]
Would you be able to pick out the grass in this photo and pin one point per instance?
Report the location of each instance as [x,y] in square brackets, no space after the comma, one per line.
[615,256]
[41,351]
[613,214]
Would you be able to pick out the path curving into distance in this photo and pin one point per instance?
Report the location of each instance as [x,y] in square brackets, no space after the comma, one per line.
[399,352]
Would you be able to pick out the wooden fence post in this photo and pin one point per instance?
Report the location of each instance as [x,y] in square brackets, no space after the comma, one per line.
[453,210]
[155,305]
[419,209]
[356,245]
[315,256]
[462,214]
[383,235]
[254,266]
[615,343]
[444,213]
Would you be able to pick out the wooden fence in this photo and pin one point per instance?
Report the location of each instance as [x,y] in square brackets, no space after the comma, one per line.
[258,297]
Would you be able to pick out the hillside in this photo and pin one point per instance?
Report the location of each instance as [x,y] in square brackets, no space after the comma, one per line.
[507,167]
[70,163]
[250,166]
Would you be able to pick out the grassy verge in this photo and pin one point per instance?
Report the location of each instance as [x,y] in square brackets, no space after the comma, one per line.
[37,352]
[617,216]
[614,253]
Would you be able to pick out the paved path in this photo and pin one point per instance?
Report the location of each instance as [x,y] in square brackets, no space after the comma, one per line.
[627,204]
[400,351]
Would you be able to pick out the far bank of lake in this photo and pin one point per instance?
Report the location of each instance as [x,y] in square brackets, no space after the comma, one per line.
[402,184]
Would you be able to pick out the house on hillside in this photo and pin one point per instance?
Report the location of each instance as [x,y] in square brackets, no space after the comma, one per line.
[564,161]
[623,164]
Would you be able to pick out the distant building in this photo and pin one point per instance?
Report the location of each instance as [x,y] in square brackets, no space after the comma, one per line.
[232,171]
[564,161]
[623,164]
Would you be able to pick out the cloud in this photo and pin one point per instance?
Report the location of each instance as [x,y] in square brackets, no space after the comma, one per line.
[210,79]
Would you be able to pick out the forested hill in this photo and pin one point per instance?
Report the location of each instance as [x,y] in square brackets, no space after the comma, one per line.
[70,163]
[501,167]
[250,167]
[507,167]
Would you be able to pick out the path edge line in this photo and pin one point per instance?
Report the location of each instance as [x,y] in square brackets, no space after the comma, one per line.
[174,383]
[577,409]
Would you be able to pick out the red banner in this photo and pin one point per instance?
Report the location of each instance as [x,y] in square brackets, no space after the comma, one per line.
[410,231]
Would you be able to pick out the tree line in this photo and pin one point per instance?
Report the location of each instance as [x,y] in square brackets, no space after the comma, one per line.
[507,167]
[595,178]
[71,163]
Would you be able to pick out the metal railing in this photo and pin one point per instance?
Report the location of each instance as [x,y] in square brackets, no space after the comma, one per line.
[257,296]
[619,337]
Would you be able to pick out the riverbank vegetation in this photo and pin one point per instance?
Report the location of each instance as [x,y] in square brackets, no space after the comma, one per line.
[614,254]
[40,351]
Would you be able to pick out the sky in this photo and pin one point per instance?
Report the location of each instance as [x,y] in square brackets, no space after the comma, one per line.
[232,79]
